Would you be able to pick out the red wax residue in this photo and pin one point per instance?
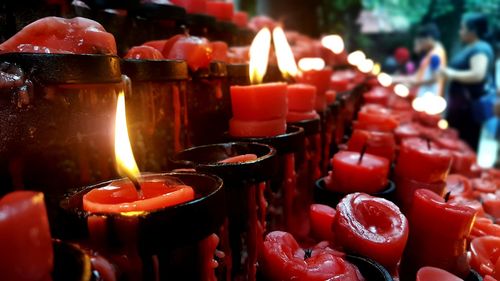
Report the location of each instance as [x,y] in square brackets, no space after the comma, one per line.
[196,51]
[486,256]
[283,259]
[372,227]
[322,217]
[123,197]
[240,158]
[429,273]
[208,249]
[59,35]
[25,242]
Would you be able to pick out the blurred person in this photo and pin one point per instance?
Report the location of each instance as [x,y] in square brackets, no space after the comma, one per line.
[470,74]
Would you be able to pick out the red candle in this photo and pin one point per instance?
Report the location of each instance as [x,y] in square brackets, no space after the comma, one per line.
[320,79]
[339,83]
[377,95]
[219,51]
[192,6]
[376,118]
[377,143]
[240,18]
[144,53]
[283,259]
[301,102]
[406,189]
[459,185]
[321,217]
[221,10]
[438,235]
[430,273]
[371,226]
[486,256]
[349,166]
[409,130]
[258,110]
[491,205]
[484,227]
[26,244]
[331,97]
[196,51]
[122,197]
[423,161]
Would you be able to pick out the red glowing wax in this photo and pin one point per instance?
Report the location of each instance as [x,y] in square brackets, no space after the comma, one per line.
[429,273]
[423,161]
[59,35]
[377,143]
[438,235]
[331,97]
[301,97]
[339,83]
[371,226]
[240,158]
[221,10]
[320,79]
[26,244]
[409,130]
[157,44]
[458,185]
[121,197]
[352,175]
[283,259]
[491,205]
[376,118]
[258,110]
[219,51]
[486,256]
[240,19]
[406,189]
[144,53]
[196,51]
[484,227]
[192,6]
[322,217]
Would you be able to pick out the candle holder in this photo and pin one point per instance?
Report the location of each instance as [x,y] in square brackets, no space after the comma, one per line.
[238,74]
[156,114]
[242,184]
[281,194]
[370,268]
[176,243]
[59,132]
[327,197]
[208,104]
[200,25]
[70,263]
[473,276]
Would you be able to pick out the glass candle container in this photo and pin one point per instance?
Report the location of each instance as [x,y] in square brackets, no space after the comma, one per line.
[243,183]
[172,243]
[57,129]
[157,110]
[208,104]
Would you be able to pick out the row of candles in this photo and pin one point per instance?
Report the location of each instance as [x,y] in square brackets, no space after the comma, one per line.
[190,225]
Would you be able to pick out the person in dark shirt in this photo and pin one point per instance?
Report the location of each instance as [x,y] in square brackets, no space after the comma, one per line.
[469,73]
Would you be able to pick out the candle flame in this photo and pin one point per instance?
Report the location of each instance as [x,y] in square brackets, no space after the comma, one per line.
[443,124]
[125,162]
[366,66]
[401,90]
[308,64]
[284,54]
[430,104]
[376,69]
[259,55]
[333,43]
[384,79]
[356,58]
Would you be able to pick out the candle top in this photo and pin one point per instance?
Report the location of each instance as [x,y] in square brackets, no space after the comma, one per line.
[433,201]
[424,146]
[353,158]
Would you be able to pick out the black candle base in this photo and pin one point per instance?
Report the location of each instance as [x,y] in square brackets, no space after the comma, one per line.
[473,276]
[327,197]
[370,269]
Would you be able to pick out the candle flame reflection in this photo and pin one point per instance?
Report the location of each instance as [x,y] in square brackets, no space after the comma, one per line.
[284,54]
[308,64]
[125,162]
[259,55]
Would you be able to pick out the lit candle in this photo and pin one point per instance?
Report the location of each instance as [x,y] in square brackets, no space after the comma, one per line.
[313,72]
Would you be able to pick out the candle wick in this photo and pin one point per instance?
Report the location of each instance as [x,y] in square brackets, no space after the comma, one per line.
[137,186]
[362,153]
[447,196]
[428,143]
[307,253]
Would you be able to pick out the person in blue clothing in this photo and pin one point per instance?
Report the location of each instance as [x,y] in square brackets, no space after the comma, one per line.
[469,72]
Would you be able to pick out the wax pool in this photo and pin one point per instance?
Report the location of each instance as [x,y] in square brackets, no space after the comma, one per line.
[122,197]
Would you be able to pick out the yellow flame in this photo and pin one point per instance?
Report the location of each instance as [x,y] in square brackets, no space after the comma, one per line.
[334,43]
[125,162]
[356,57]
[401,90]
[376,69]
[284,54]
[259,55]
[366,66]
[443,124]
[384,79]
[307,64]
